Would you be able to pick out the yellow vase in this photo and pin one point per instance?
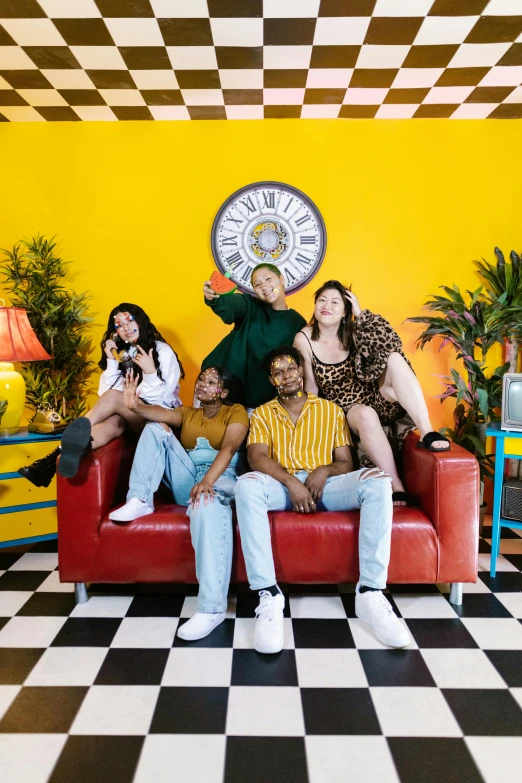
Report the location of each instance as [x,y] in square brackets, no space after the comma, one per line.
[12,389]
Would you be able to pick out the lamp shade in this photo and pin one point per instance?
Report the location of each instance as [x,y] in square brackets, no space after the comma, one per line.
[18,342]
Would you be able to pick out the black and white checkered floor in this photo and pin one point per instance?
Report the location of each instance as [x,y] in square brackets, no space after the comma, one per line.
[106,692]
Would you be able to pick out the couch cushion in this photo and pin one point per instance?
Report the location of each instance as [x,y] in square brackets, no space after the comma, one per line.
[153,548]
[323,547]
[308,548]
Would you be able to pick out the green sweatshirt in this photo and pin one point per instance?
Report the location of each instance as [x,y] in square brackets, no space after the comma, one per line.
[257,329]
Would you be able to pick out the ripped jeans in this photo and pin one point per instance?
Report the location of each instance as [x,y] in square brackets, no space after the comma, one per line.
[160,456]
[256,494]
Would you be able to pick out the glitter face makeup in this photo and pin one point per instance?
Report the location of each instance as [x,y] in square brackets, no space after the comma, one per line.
[205,384]
[267,285]
[284,372]
[127,328]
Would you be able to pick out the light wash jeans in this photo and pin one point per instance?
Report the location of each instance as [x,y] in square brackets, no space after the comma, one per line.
[160,456]
[256,494]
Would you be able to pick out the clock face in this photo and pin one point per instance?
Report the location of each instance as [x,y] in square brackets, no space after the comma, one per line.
[273,223]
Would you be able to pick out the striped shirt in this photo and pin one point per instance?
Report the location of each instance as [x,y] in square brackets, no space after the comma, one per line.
[320,428]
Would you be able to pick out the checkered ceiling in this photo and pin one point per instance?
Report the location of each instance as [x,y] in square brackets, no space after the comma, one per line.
[254,59]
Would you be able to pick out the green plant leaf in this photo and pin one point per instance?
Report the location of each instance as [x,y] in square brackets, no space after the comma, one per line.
[36,280]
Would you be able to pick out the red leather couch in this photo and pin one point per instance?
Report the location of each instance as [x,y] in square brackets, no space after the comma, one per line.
[433,541]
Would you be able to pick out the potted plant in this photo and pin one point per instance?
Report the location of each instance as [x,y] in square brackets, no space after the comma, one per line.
[504,281]
[35,277]
[472,326]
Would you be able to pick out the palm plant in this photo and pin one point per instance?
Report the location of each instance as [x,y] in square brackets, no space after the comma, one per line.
[467,326]
[472,326]
[505,283]
[505,280]
[35,277]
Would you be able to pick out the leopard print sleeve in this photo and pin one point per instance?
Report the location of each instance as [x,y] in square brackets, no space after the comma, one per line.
[374,340]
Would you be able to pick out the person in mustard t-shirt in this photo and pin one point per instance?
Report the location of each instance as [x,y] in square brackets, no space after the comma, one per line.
[201,472]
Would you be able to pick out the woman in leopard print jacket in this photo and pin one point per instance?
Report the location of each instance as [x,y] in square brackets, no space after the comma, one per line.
[355,358]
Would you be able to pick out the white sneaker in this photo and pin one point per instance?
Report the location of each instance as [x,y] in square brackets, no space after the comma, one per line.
[133,509]
[200,625]
[372,607]
[269,630]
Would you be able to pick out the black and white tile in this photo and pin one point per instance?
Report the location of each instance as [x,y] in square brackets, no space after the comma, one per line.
[106,690]
[73,60]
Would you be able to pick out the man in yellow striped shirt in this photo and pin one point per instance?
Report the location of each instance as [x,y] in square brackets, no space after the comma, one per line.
[298,449]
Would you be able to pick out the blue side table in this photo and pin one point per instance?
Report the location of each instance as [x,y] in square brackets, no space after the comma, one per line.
[499,522]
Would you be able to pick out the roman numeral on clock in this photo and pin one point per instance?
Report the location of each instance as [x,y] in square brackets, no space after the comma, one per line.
[268,200]
[289,277]
[235,260]
[302,220]
[249,204]
[231,240]
[245,274]
[303,260]
[308,240]
[233,220]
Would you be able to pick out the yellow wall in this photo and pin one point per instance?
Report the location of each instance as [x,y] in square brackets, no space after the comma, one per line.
[407,204]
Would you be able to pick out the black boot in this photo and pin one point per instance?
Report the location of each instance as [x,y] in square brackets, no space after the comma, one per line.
[76,443]
[42,471]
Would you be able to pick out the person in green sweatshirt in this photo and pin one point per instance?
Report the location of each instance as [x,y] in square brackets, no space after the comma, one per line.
[261,323]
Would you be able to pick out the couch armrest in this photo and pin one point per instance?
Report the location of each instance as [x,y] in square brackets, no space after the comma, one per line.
[447,487]
[101,482]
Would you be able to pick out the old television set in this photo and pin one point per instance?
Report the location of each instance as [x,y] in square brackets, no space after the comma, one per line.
[511,417]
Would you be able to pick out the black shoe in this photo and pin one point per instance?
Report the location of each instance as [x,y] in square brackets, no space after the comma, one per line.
[76,443]
[42,471]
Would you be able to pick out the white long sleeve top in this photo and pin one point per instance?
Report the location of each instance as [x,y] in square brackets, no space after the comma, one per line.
[154,390]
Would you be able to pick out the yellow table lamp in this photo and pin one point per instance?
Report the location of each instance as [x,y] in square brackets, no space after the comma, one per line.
[18,343]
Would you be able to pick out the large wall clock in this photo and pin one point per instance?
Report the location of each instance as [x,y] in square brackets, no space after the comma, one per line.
[273,222]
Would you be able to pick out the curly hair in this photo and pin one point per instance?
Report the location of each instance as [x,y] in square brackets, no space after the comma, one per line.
[277,353]
[147,339]
[345,330]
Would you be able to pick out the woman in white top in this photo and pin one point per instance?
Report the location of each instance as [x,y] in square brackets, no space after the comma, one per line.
[138,344]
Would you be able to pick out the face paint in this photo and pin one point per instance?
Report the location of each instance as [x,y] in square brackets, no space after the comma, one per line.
[203,381]
[299,394]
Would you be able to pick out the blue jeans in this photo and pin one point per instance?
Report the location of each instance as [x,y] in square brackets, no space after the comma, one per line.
[160,456]
[256,494]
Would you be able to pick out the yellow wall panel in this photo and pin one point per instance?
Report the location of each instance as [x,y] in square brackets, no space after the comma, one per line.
[408,205]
